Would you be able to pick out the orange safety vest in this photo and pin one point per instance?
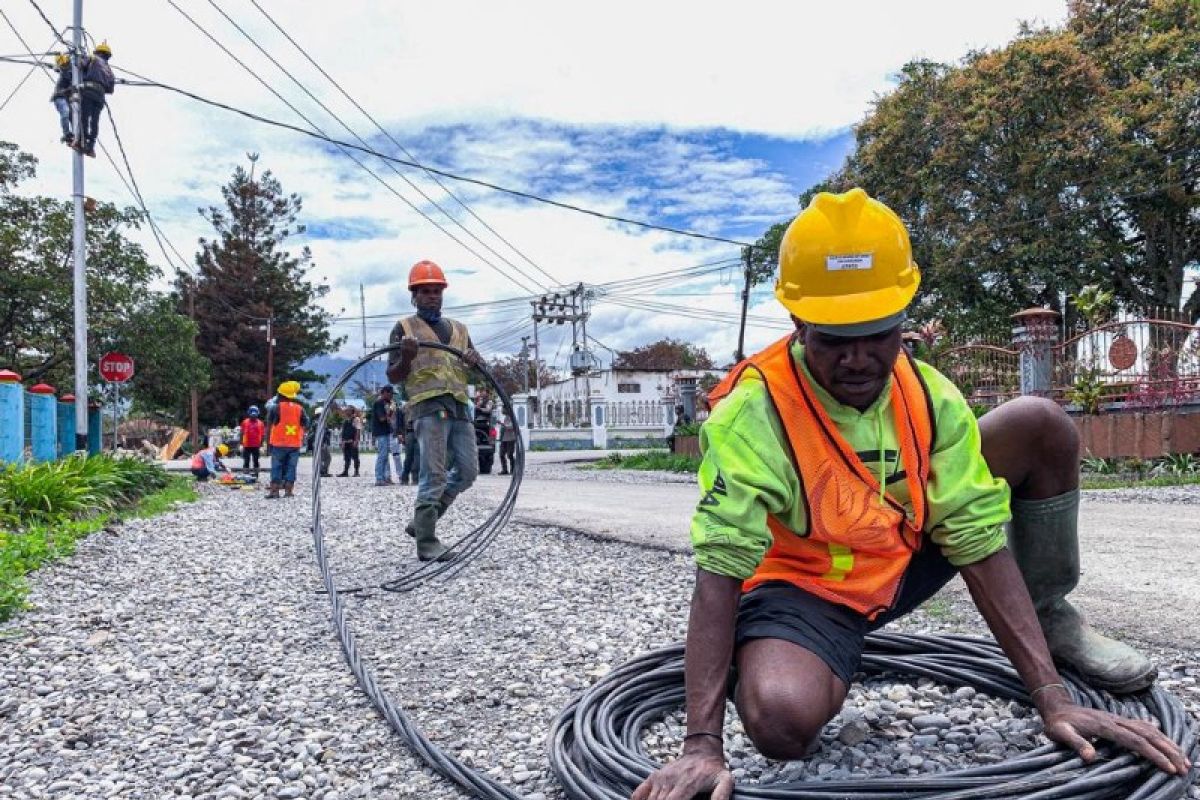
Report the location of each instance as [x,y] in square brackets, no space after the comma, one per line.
[855,548]
[287,431]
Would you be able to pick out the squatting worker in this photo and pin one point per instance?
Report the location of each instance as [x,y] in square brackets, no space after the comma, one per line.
[842,484]
[287,420]
[435,383]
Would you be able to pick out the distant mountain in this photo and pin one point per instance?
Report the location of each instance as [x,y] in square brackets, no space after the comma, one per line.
[371,374]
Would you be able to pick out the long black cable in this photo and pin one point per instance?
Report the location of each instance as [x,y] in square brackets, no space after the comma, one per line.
[466,550]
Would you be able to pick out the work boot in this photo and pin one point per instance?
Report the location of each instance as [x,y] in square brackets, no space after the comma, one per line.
[287,489]
[1044,539]
[424,529]
[273,491]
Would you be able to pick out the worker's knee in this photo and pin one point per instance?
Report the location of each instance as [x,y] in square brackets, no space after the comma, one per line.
[781,726]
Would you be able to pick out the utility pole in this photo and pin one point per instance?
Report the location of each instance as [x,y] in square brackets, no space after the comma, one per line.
[79,242]
[362,305]
[525,361]
[195,426]
[270,351]
[741,349]
[559,309]
[537,376]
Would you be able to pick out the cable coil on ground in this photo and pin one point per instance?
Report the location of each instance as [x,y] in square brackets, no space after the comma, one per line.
[595,748]
[596,752]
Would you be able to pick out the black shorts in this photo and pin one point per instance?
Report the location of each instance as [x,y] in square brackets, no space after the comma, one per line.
[833,632]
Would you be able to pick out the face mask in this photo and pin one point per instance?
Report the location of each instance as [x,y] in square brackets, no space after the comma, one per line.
[429,316]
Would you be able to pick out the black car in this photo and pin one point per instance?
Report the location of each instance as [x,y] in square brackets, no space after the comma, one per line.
[484,441]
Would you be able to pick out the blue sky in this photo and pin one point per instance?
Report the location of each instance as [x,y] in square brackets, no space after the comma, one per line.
[687,114]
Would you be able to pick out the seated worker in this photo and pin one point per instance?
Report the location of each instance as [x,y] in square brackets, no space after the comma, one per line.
[843,483]
[207,462]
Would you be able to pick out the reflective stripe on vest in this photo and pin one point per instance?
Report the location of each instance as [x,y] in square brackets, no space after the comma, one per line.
[288,431]
[435,372]
[855,548]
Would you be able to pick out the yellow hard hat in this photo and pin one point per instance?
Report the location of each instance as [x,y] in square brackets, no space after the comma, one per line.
[289,389]
[61,60]
[103,49]
[223,449]
[845,265]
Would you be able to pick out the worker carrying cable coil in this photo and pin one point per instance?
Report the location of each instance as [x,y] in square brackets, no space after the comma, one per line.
[435,383]
[843,483]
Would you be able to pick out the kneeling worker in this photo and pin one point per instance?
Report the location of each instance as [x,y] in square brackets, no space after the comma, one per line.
[844,483]
[207,462]
[435,383]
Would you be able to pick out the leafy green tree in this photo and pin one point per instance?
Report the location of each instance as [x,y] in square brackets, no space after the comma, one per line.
[1065,159]
[36,296]
[511,373]
[665,354]
[247,278]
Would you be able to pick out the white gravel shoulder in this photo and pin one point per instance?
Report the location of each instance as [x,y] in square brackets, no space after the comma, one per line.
[191,656]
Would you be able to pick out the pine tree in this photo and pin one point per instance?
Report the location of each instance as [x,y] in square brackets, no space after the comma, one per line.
[247,278]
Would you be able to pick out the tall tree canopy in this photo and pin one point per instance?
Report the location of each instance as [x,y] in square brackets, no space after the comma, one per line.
[511,372]
[1069,157]
[664,354]
[37,307]
[245,278]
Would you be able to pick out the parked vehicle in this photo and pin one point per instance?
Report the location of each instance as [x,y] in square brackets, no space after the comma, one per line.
[485,441]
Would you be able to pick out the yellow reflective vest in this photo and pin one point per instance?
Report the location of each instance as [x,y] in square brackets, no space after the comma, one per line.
[436,372]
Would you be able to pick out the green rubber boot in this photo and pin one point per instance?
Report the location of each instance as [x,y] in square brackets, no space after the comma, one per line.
[424,527]
[1044,540]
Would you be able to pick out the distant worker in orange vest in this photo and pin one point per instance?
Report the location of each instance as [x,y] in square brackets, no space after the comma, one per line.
[843,483]
[287,420]
[253,432]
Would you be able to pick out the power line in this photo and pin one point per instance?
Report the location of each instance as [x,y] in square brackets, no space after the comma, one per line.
[28,75]
[144,82]
[304,52]
[50,25]
[362,141]
[344,146]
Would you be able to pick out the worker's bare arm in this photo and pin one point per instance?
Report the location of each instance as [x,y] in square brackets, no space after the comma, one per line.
[999,592]
[708,654]
[397,370]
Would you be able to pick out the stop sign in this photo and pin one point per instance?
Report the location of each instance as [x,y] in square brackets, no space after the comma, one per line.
[116,367]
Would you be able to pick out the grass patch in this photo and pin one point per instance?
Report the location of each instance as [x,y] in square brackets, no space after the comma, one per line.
[1129,482]
[651,460]
[45,509]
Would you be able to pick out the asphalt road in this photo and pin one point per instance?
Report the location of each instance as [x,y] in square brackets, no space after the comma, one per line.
[1141,560]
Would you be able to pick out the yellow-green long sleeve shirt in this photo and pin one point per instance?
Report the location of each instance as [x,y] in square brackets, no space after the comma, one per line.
[747,473]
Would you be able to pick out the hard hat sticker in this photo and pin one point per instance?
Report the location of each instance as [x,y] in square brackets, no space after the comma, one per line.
[851,261]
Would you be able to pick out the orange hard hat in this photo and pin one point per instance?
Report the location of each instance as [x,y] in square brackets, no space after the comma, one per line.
[426,272]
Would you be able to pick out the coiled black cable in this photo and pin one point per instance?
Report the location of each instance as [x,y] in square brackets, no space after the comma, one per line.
[594,744]
[596,752]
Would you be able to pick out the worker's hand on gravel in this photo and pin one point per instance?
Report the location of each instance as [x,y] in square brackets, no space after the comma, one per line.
[408,347]
[691,774]
[1074,727]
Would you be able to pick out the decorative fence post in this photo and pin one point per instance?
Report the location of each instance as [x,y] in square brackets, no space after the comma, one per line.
[12,418]
[94,425]
[43,418]
[66,425]
[597,414]
[523,408]
[1034,335]
[687,396]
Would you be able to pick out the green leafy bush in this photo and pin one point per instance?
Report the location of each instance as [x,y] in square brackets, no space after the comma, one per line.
[45,508]
[650,460]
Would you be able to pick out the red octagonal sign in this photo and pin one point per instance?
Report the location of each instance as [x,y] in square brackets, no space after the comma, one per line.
[116,367]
